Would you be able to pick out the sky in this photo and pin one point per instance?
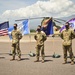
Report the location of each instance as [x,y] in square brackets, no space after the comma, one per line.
[12,10]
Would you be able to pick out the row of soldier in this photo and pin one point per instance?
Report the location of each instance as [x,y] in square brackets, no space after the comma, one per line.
[67,35]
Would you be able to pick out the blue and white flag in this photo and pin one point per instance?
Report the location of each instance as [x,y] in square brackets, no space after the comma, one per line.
[10,29]
[22,26]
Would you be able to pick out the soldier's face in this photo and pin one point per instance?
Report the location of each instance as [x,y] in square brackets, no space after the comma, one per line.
[38,29]
[67,26]
[15,27]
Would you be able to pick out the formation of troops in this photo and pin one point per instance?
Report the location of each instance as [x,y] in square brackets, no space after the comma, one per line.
[67,35]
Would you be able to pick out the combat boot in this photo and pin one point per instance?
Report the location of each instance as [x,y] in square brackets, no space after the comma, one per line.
[19,58]
[65,62]
[36,60]
[12,58]
[72,62]
[42,61]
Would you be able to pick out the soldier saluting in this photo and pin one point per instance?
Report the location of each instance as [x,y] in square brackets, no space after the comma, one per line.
[40,38]
[16,36]
[67,35]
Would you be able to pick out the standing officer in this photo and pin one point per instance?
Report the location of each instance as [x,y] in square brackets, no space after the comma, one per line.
[40,38]
[67,35]
[16,36]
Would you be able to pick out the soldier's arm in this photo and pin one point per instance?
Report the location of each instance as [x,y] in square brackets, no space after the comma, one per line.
[35,37]
[11,34]
[73,34]
[61,35]
[44,36]
[20,35]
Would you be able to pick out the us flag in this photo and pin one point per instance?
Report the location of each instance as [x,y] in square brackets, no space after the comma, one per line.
[4,28]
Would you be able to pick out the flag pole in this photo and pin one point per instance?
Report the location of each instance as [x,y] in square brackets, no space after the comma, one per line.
[30,37]
[10,52]
[53,44]
[53,37]
[29,34]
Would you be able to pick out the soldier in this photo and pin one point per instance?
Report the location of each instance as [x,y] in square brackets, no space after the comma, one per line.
[16,36]
[40,37]
[67,35]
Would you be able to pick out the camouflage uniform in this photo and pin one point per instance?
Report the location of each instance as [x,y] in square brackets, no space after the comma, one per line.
[67,36]
[40,37]
[16,36]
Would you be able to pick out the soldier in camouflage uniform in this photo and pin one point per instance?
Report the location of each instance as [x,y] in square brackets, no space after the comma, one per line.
[67,35]
[40,37]
[16,36]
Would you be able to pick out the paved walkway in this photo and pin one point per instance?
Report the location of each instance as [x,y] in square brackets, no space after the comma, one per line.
[52,66]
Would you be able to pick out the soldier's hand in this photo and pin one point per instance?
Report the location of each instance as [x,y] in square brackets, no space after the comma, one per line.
[53,35]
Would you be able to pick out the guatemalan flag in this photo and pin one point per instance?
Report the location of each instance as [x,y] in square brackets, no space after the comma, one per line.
[4,28]
[47,26]
[22,26]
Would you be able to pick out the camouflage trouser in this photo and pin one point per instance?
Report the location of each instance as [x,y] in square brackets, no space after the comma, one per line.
[69,49]
[38,49]
[14,48]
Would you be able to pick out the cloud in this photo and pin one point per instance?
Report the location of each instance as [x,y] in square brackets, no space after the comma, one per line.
[54,8]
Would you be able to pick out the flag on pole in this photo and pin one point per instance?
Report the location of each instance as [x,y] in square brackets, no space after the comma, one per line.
[47,26]
[10,29]
[72,24]
[22,26]
[4,28]
[62,28]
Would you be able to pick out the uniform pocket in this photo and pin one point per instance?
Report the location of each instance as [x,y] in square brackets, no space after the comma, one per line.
[14,41]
